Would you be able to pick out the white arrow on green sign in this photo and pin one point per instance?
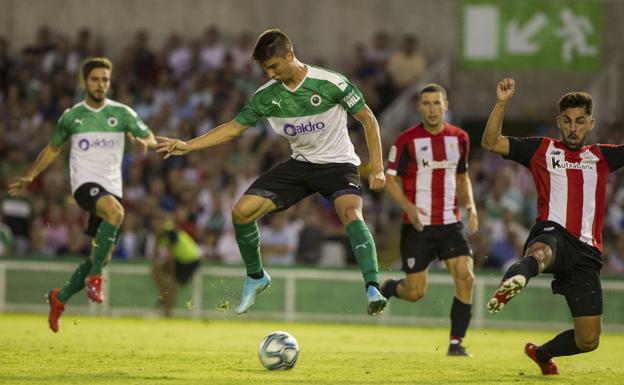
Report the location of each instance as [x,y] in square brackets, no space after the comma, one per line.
[532,34]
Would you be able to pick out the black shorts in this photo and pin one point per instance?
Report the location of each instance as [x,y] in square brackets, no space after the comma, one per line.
[291,181]
[576,269]
[420,248]
[184,271]
[86,196]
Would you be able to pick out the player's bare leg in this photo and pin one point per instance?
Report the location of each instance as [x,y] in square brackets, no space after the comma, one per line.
[413,287]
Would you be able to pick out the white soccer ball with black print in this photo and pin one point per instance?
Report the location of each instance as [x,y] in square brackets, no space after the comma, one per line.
[278,351]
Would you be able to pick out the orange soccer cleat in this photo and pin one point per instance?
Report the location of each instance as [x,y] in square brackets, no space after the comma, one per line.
[548,368]
[93,286]
[56,309]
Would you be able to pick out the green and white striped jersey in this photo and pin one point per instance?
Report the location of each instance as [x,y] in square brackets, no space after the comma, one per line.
[97,142]
[313,117]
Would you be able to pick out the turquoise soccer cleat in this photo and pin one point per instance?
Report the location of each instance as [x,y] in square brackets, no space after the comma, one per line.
[376,301]
[251,289]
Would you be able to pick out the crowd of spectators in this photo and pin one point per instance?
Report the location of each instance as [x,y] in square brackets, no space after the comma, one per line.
[184,89]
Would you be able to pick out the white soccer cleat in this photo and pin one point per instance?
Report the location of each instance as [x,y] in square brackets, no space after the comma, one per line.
[251,289]
[376,301]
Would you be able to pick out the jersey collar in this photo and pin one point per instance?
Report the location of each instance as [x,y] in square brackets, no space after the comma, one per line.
[560,144]
[88,107]
[300,83]
[422,126]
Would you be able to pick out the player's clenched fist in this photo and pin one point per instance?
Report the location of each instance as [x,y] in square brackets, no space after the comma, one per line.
[376,180]
[505,89]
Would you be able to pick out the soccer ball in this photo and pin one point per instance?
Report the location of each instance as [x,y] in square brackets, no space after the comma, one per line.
[278,351]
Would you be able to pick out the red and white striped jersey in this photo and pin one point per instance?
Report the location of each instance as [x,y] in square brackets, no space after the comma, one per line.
[571,185]
[428,165]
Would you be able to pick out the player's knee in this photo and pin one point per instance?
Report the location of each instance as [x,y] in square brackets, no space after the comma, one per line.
[542,254]
[239,215]
[587,344]
[415,294]
[466,281]
[351,214]
[119,215]
[114,214]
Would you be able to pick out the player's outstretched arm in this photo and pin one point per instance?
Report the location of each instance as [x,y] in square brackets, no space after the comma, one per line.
[147,143]
[44,159]
[218,135]
[492,139]
[377,178]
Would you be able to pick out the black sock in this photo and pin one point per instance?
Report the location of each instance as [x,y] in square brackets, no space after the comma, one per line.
[527,267]
[562,345]
[460,318]
[372,283]
[257,275]
[389,289]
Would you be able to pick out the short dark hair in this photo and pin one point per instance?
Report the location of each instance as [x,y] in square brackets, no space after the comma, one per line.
[575,100]
[95,62]
[271,43]
[432,87]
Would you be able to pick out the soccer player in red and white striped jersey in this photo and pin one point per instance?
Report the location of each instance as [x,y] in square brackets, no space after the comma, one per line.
[426,175]
[571,182]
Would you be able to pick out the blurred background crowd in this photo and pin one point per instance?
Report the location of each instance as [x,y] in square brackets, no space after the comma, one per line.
[192,84]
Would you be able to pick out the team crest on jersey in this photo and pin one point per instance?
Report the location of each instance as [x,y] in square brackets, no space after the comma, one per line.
[94,191]
[315,100]
[411,262]
[112,121]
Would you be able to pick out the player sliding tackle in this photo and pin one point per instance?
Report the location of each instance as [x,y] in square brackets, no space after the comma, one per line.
[571,182]
[307,106]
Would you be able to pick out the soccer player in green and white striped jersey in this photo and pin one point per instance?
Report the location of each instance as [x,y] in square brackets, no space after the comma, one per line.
[308,106]
[95,129]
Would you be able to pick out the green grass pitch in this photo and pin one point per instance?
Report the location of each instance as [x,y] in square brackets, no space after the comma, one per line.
[141,351]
